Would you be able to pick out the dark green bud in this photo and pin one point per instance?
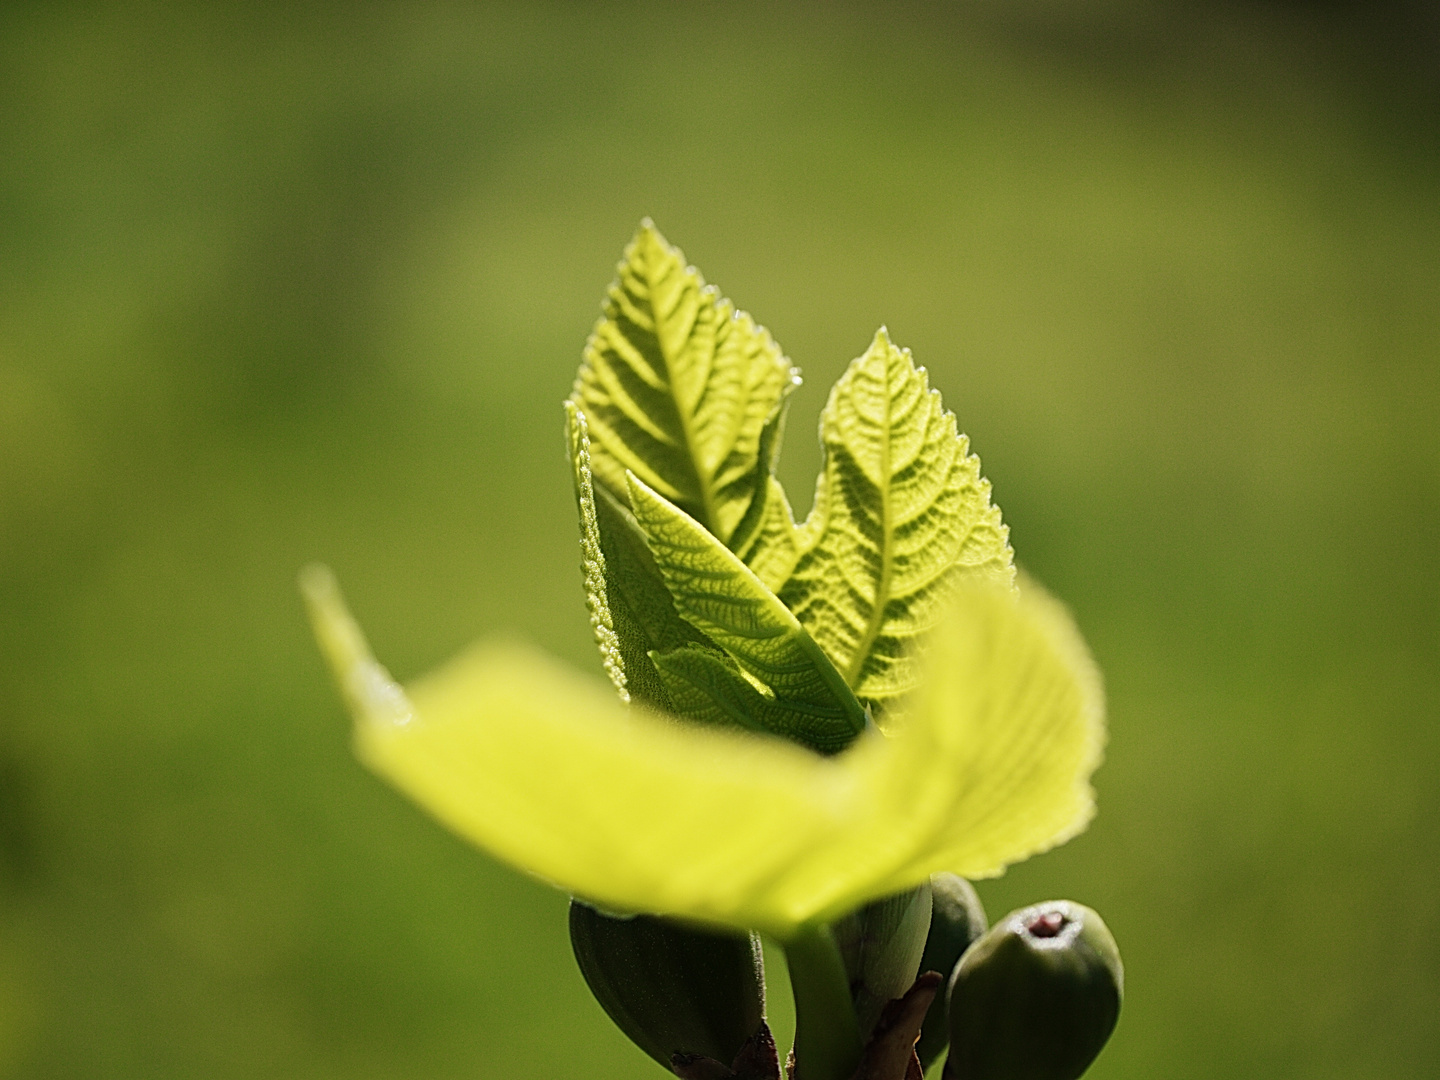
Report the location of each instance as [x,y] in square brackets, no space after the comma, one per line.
[674,989]
[957,920]
[1036,997]
[881,945]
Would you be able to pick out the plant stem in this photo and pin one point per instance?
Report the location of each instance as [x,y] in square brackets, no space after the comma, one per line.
[827,1036]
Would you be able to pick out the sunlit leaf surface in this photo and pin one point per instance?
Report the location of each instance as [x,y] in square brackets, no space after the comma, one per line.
[549,771]
[901,512]
[678,388]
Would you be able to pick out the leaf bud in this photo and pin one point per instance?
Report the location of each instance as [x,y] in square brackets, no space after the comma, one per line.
[676,990]
[1036,997]
[881,945]
[957,920]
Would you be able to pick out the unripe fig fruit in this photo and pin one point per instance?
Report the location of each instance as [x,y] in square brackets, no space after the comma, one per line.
[674,989]
[1036,997]
[957,920]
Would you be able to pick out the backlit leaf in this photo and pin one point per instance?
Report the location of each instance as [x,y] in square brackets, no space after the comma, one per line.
[705,685]
[722,598]
[778,542]
[592,557]
[1011,700]
[631,612]
[678,387]
[754,529]
[547,770]
[901,514]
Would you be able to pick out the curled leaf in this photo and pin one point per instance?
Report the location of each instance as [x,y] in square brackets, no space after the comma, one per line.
[549,771]
[631,612]
[719,595]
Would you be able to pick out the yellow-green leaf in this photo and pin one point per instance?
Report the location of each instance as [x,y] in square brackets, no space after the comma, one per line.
[705,685]
[901,513]
[722,598]
[592,557]
[1011,700]
[778,542]
[550,772]
[678,388]
[631,612]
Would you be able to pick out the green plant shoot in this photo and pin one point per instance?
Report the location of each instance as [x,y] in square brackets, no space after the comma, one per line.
[802,718]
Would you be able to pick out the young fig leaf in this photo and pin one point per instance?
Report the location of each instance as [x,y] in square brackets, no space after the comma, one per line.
[705,685]
[778,542]
[900,512]
[548,771]
[592,557]
[718,594]
[679,387]
[631,612]
[751,533]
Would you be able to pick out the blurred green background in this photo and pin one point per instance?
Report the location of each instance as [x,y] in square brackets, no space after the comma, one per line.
[282,283]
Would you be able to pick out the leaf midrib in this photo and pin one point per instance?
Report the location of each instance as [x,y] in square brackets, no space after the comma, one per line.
[707,496]
[882,587]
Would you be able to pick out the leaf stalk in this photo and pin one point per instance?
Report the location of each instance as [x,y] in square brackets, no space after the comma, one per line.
[827,1034]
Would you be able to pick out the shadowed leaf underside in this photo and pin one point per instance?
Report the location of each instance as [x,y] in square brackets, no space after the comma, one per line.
[717,594]
[706,685]
[631,612]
